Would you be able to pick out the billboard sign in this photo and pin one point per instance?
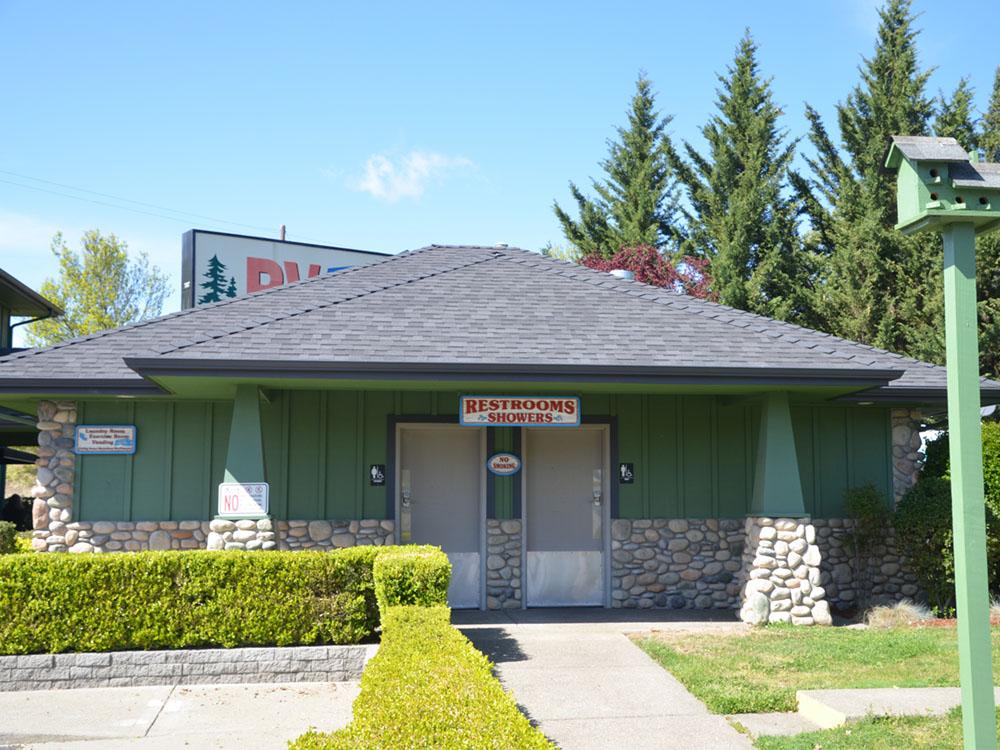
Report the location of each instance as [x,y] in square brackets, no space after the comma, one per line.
[216,266]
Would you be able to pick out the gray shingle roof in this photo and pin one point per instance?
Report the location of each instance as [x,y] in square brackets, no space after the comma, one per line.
[929,148]
[975,175]
[465,305]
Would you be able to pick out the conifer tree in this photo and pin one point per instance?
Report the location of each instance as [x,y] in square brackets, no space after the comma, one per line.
[988,247]
[215,281]
[741,218]
[989,138]
[231,289]
[634,203]
[878,286]
[954,117]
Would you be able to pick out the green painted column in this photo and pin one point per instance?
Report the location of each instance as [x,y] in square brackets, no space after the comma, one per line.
[777,489]
[245,456]
[967,504]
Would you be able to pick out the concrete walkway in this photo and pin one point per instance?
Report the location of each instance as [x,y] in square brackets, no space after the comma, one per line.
[244,717]
[576,674]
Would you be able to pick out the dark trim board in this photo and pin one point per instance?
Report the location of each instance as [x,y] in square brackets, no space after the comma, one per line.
[768,376]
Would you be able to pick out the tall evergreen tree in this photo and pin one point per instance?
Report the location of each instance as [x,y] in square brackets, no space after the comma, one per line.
[988,247]
[955,118]
[989,138]
[741,218]
[877,286]
[634,204]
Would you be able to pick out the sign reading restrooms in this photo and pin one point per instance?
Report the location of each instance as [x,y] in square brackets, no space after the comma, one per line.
[519,411]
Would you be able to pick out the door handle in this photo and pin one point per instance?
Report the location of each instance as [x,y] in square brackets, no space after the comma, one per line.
[598,490]
[405,499]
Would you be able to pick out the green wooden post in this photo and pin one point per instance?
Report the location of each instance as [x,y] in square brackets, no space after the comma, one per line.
[967,504]
[777,488]
[939,188]
[245,455]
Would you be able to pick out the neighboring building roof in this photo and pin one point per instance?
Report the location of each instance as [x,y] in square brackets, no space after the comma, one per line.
[500,311]
[929,148]
[22,300]
[975,175]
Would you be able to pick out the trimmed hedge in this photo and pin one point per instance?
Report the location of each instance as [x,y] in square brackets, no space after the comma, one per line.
[8,538]
[428,687]
[161,600]
[412,576]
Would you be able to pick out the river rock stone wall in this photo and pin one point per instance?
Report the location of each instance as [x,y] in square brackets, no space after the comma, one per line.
[676,563]
[52,509]
[503,564]
[325,535]
[783,575]
[852,582]
[906,459]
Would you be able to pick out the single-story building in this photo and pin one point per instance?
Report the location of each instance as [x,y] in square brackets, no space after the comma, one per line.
[567,436]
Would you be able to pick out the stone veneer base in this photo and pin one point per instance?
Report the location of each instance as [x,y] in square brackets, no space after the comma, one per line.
[184,667]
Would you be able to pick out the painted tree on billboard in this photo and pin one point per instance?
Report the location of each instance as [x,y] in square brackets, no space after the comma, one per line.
[215,285]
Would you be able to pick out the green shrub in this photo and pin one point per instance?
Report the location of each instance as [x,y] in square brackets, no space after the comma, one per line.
[8,538]
[160,600]
[412,576]
[923,520]
[923,531]
[22,543]
[428,687]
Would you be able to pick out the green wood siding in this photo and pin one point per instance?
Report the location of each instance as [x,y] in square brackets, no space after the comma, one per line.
[693,455]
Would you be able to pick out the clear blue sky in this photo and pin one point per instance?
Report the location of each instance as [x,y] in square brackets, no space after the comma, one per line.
[382,126]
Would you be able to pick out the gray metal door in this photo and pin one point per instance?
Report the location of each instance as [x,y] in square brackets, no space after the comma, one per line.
[440,499]
[565,484]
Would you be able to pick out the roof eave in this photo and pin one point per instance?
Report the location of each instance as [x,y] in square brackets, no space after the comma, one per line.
[80,386]
[231,368]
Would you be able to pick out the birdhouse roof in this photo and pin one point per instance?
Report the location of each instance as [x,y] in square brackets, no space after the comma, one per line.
[973,175]
[924,148]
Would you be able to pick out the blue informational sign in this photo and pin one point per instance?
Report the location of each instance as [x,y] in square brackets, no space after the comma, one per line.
[98,439]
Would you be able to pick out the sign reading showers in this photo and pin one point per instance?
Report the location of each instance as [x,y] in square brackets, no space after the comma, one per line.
[519,411]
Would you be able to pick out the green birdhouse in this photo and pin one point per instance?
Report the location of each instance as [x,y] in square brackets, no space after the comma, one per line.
[937,184]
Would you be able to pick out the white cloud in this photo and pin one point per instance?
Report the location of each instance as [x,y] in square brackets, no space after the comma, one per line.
[407,176]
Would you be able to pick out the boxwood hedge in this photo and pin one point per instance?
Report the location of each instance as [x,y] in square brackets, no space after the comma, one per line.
[161,600]
[428,687]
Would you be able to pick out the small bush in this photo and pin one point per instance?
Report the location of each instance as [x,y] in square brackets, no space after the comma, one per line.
[923,531]
[22,543]
[160,600]
[901,614]
[412,576]
[428,687]
[8,538]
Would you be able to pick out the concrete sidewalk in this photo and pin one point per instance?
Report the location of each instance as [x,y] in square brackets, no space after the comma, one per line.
[244,717]
[576,674]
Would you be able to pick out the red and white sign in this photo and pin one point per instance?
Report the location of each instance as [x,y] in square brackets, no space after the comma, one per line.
[503,464]
[519,411]
[238,500]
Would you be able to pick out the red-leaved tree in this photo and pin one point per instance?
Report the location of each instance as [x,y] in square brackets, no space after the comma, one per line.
[689,275]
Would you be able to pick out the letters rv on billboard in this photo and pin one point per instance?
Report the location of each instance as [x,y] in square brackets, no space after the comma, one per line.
[217,265]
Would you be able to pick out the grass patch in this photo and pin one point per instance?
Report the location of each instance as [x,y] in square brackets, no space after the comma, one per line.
[882,733]
[760,671]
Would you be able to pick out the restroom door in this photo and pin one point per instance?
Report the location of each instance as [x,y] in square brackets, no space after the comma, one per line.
[440,488]
[566,485]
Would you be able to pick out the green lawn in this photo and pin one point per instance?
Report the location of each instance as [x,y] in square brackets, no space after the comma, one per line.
[912,733]
[760,671]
